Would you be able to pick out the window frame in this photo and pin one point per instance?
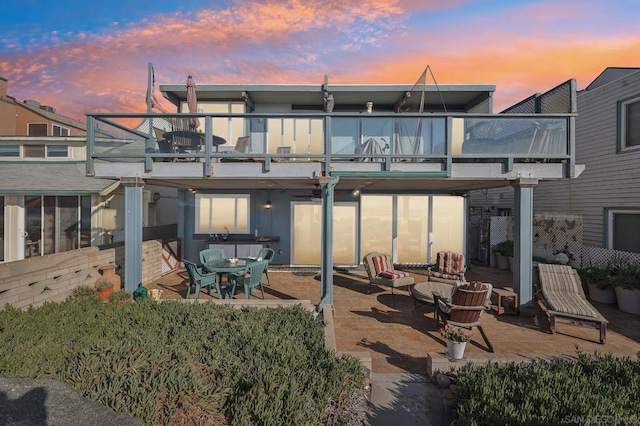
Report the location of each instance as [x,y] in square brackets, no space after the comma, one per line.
[609,225]
[37,124]
[199,198]
[622,124]
[66,130]
[51,146]
[12,154]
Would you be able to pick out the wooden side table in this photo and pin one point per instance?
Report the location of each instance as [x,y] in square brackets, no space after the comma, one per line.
[500,293]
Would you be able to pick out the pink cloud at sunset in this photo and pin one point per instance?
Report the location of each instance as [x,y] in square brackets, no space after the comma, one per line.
[522,49]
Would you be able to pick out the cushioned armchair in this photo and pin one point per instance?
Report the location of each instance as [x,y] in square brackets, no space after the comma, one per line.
[450,268]
[380,271]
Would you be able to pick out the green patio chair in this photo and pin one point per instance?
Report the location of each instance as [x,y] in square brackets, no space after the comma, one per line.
[200,279]
[250,278]
[209,255]
[268,255]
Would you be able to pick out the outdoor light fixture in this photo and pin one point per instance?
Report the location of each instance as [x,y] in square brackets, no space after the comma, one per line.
[268,205]
[356,192]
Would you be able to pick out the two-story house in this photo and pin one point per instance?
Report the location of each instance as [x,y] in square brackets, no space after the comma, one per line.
[326,173]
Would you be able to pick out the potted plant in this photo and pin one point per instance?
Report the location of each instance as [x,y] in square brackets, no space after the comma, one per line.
[104,287]
[600,284]
[456,341]
[503,251]
[626,278]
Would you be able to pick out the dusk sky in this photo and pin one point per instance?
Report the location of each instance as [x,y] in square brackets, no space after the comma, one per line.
[82,57]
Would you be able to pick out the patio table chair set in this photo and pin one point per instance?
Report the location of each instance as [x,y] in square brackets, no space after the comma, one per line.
[245,273]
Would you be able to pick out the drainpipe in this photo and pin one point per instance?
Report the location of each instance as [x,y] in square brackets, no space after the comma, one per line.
[328,185]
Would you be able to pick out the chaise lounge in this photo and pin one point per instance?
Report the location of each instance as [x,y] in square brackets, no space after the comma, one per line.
[562,295]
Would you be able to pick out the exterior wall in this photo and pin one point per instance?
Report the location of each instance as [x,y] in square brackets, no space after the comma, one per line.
[52,278]
[7,109]
[610,178]
[24,116]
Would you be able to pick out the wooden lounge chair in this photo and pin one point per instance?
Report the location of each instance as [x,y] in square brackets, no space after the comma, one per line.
[467,304]
[562,294]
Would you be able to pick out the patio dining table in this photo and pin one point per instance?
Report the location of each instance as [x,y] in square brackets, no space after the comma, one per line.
[225,266]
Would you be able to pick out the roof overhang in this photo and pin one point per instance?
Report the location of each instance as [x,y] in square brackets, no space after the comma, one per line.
[456,97]
[26,178]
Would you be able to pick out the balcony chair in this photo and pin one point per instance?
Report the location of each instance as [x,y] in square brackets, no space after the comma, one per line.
[380,271]
[562,295]
[200,279]
[468,301]
[250,278]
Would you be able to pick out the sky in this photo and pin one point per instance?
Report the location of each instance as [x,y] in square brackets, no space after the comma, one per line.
[91,57]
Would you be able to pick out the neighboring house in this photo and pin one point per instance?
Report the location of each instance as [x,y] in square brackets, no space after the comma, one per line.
[48,204]
[607,194]
[379,168]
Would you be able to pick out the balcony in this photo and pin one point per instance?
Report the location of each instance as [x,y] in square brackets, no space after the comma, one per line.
[440,145]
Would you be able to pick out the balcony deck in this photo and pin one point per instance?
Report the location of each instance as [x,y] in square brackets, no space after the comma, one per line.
[400,340]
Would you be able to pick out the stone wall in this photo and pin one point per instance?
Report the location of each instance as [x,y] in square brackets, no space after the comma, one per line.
[52,278]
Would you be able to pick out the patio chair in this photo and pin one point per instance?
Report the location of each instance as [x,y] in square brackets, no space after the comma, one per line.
[267,254]
[250,278]
[209,255]
[562,295]
[380,271]
[200,279]
[468,301]
[450,268]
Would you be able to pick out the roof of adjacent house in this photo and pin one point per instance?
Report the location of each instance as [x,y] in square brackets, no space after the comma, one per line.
[50,113]
[610,74]
[48,178]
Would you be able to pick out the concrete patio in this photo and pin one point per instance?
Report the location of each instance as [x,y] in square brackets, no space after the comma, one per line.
[401,340]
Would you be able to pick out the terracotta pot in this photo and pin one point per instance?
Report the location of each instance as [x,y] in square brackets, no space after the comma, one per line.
[104,294]
[109,272]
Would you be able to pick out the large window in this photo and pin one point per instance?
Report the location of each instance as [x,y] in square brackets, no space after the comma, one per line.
[55,224]
[629,126]
[220,213]
[624,230]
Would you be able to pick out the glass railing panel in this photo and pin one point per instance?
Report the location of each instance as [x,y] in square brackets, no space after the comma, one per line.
[515,136]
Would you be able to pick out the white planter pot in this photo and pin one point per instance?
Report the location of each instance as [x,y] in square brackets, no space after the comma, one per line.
[628,300]
[455,349]
[602,296]
[503,261]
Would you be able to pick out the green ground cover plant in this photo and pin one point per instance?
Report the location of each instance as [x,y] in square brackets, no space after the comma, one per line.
[176,363]
[598,388]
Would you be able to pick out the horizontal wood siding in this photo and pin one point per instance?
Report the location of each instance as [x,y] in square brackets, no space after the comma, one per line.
[610,179]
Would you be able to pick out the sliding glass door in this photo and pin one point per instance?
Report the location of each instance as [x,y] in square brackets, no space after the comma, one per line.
[307,233]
